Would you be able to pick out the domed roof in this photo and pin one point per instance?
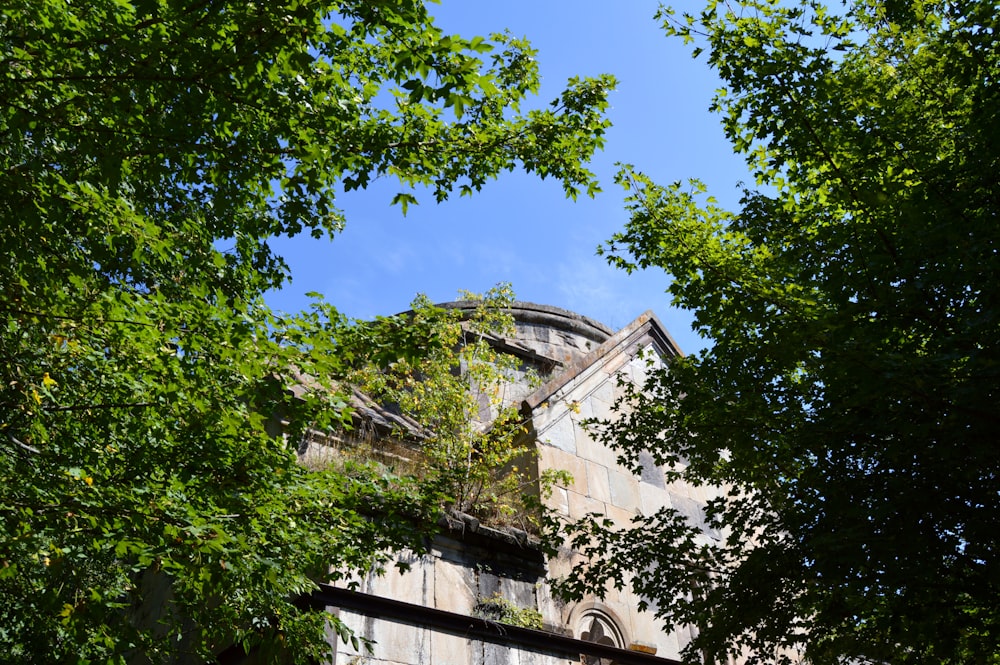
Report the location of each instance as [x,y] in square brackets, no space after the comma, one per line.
[553,333]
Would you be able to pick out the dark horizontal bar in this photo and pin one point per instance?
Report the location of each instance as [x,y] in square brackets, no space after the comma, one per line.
[475,628]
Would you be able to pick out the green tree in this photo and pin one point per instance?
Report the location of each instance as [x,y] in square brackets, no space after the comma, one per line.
[148,151]
[848,405]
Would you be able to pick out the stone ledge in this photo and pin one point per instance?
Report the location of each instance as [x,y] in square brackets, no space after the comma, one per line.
[466,526]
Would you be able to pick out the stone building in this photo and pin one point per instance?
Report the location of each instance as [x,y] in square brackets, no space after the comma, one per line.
[440,613]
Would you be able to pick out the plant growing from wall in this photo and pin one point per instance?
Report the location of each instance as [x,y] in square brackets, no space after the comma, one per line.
[460,392]
[499,609]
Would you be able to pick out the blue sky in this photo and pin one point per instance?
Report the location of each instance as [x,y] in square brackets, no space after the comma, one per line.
[523,230]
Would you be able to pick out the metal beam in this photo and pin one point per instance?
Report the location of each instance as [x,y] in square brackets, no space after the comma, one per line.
[474,628]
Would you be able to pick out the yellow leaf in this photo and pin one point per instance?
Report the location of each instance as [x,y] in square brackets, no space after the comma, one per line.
[88,480]
[48,381]
[38,398]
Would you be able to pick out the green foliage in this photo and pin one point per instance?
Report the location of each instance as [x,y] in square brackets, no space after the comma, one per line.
[149,151]
[499,609]
[473,438]
[848,407]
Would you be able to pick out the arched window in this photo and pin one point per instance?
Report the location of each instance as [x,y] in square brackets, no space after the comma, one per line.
[598,627]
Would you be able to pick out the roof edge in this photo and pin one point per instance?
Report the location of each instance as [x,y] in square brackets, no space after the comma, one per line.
[546,315]
[646,323]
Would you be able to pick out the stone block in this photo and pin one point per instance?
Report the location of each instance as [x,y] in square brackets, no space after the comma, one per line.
[563,564]
[602,398]
[554,458]
[694,511]
[489,584]
[357,623]
[560,434]
[624,490]
[414,586]
[448,649]
[616,601]
[650,631]
[651,473]
[399,642]
[519,592]
[601,408]
[639,369]
[605,391]
[455,587]
[594,451]
[553,610]
[621,516]
[682,488]
[543,415]
[558,501]
[498,654]
[643,647]
[652,499]
[395,643]
[584,408]
[580,505]
[597,482]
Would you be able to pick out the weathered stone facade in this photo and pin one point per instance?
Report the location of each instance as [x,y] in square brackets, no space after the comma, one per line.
[582,362]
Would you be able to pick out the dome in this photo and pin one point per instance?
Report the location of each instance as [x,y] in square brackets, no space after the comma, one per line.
[556,335]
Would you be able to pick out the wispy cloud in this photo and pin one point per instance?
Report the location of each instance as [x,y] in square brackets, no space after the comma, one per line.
[591,287]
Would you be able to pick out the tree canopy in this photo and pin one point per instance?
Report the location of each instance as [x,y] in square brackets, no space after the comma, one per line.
[150,501]
[848,404]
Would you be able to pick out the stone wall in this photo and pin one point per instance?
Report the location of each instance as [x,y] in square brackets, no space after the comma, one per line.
[468,565]
[584,364]
[600,485]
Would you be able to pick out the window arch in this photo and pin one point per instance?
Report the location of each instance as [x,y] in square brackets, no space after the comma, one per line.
[598,626]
